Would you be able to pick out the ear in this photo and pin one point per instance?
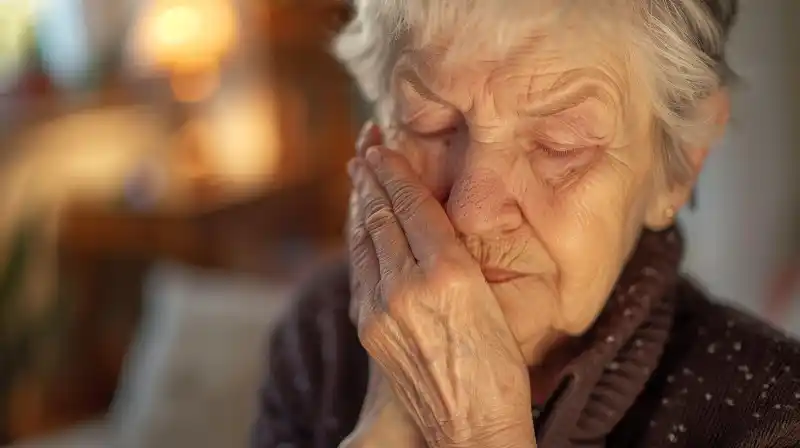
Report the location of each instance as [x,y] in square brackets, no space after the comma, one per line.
[671,197]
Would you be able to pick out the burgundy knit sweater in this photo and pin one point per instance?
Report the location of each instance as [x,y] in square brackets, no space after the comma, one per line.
[664,367]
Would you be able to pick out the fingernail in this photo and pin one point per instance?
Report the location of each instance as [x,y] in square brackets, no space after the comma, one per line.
[376,134]
[374,156]
[370,135]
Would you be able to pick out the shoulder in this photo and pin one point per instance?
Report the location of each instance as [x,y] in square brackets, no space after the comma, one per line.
[731,377]
[732,341]
[316,370]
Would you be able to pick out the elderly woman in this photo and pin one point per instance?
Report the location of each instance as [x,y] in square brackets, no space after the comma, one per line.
[512,278]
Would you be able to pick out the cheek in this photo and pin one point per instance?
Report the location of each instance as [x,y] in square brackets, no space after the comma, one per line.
[587,231]
[605,199]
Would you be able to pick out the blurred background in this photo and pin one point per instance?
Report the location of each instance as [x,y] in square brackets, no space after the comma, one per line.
[170,169]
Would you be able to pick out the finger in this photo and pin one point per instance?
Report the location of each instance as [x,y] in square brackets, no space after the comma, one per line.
[421,216]
[388,239]
[364,273]
[369,136]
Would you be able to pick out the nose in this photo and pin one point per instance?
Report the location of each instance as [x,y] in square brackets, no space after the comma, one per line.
[480,205]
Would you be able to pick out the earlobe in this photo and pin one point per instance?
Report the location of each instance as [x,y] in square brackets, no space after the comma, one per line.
[665,208]
[660,218]
[672,197]
[669,213]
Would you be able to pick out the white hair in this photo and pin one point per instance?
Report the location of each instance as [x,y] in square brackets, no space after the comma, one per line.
[678,46]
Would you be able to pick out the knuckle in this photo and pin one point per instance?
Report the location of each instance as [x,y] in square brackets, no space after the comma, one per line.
[371,331]
[361,257]
[379,216]
[398,306]
[374,202]
[407,198]
[398,301]
[358,236]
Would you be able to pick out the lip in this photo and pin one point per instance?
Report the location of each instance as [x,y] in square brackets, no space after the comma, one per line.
[497,275]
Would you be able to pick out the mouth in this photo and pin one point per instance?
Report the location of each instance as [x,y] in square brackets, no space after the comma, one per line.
[498,275]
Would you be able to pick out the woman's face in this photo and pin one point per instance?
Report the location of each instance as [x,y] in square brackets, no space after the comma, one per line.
[545,164]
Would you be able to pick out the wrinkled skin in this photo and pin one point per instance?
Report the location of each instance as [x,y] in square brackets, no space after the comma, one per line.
[422,298]
[515,192]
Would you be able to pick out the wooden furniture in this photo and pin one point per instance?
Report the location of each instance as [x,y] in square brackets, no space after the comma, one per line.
[263,235]
[278,230]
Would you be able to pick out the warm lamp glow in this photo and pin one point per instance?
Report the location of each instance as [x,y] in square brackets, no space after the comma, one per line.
[245,145]
[188,39]
[177,26]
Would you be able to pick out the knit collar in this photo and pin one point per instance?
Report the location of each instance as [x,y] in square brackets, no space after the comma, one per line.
[627,341]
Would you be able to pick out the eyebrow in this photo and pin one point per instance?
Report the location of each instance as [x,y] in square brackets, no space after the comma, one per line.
[409,75]
[564,96]
[570,90]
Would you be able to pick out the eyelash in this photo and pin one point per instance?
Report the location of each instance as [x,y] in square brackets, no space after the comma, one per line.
[439,134]
[557,153]
[444,134]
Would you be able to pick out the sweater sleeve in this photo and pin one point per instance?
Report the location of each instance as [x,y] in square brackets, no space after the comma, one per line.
[316,370]
[286,401]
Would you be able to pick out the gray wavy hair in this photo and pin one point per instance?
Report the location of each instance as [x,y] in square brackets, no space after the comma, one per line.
[679,46]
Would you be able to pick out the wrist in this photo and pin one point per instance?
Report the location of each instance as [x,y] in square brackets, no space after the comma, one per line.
[517,434]
[500,433]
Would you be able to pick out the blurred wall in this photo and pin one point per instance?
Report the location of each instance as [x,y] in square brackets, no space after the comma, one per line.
[108,21]
[748,219]
[77,36]
[63,39]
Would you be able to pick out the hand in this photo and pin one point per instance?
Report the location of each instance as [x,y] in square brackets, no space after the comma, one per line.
[427,317]
[383,421]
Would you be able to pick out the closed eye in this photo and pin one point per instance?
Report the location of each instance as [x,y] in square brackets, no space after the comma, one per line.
[562,164]
[551,149]
[562,153]
[557,153]
[443,133]
[428,133]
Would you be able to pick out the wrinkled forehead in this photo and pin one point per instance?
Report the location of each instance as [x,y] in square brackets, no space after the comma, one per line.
[550,61]
[482,31]
[542,55]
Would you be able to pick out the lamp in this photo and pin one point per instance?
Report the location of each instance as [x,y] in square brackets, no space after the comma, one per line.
[229,145]
[188,40]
